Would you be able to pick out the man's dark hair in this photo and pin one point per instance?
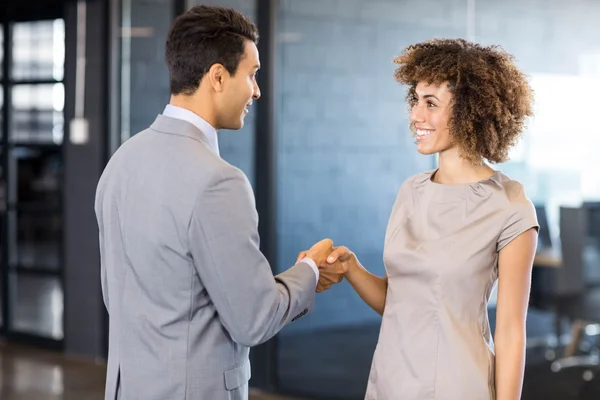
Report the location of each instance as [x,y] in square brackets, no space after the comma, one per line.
[203,36]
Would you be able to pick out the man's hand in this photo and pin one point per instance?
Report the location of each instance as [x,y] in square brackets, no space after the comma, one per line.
[332,270]
[320,251]
[338,264]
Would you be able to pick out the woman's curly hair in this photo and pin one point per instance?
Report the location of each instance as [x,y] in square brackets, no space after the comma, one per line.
[491,97]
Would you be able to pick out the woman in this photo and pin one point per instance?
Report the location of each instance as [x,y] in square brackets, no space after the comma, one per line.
[453,233]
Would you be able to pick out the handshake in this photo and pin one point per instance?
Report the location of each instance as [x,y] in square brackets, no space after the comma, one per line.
[333,262]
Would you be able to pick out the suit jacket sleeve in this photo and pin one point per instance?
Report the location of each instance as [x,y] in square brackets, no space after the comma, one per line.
[252,304]
[100,221]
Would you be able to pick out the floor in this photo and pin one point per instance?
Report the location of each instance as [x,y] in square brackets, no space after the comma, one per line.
[29,374]
[334,367]
[37,299]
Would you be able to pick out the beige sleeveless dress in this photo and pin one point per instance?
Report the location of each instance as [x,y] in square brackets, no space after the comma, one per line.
[441,255]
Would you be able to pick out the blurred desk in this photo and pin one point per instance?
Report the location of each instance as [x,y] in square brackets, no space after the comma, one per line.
[549,257]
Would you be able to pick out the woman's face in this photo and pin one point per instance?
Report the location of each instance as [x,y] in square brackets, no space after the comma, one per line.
[429,117]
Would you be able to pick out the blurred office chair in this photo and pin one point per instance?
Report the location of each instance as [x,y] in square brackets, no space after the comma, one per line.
[592,249]
[571,297]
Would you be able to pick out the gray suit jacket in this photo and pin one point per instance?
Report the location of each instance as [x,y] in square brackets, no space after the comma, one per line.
[186,287]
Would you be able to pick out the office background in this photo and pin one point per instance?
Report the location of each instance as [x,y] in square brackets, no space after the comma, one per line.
[326,149]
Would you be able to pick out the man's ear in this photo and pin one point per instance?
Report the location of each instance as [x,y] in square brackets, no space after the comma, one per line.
[217,74]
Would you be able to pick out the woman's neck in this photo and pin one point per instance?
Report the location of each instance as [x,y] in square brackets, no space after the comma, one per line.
[453,169]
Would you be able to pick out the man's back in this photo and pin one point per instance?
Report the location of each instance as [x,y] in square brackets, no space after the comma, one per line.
[151,288]
[167,338]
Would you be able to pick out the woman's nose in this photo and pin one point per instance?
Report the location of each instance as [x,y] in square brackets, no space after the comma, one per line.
[417,114]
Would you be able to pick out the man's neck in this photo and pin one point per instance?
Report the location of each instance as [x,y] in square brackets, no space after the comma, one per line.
[195,105]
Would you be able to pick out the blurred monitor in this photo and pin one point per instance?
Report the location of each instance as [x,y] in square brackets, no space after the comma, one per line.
[593,218]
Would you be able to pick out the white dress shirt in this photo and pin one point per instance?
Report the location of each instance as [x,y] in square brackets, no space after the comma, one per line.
[199,122]
[211,134]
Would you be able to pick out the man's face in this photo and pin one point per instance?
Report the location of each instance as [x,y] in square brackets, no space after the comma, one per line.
[239,90]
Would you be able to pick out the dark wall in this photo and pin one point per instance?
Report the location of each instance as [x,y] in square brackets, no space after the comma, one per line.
[84,310]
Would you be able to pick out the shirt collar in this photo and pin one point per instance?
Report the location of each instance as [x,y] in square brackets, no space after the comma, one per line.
[188,116]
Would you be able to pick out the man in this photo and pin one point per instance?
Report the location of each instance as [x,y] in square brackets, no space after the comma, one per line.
[186,287]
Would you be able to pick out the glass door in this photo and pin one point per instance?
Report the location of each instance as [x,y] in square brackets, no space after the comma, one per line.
[31,180]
